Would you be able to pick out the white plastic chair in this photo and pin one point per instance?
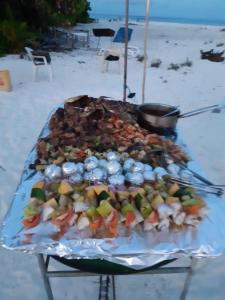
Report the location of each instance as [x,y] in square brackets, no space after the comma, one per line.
[114,52]
[132,51]
[39,61]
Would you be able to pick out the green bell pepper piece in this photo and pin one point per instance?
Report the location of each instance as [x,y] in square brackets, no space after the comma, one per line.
[103,196]
[30,211]
[92,212]
[145,210]
[105,208]
[38,193]
[126,208]
[138,200]
[190,202]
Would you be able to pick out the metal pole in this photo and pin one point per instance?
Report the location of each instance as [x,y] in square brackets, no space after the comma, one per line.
[113,287]
[188,279]
[125,51]
[43,270]
[145,48]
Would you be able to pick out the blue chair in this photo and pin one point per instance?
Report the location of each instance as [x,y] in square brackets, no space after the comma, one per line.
[119,38]
[120,35]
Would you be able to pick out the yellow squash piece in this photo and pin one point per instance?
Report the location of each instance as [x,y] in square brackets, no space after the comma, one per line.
[51,203]
[112,195]
[156,201]
[140,191]
[173,189]
[104,209]
[90,193]
[101,188]
[65,188]
[170,200]
[123,195]
[38,185]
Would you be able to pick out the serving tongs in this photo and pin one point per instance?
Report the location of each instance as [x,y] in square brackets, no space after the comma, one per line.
[194,112]
[210,189]
[183,166]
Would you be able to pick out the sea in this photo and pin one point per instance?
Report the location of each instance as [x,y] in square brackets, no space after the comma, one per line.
[110,17]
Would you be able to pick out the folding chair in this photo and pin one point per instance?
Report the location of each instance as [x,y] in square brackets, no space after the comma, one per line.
[119,40]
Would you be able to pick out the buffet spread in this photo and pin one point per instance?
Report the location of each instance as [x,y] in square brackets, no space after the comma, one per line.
[98,185]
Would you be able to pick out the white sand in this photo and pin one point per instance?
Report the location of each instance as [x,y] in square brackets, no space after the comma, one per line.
[24,110]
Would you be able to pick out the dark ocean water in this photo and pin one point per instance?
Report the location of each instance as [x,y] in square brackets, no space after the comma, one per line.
[159,19]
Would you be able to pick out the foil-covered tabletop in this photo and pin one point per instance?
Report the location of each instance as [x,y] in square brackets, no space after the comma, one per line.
[136,251]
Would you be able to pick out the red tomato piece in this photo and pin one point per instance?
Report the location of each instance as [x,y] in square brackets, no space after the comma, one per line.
[63,219]
[113,230]
[97,223]
[31,221]
[114,219]
[191,210]
[130,217]
[153,218]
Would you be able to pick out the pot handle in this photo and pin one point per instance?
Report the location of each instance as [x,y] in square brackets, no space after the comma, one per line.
[199,111]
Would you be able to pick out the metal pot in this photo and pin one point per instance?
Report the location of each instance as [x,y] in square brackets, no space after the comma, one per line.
[166,116]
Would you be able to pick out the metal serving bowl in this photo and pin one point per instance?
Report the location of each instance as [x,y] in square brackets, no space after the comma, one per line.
[153,114]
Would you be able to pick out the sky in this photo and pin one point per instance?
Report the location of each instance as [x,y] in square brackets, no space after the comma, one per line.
[190,9]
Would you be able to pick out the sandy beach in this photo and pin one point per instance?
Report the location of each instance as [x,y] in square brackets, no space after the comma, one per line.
[24,110]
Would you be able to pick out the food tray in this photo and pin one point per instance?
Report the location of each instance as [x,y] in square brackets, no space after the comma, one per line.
[136,251]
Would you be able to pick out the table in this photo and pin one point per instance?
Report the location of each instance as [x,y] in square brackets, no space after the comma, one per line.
[96,267]
[137,251]
[103,32]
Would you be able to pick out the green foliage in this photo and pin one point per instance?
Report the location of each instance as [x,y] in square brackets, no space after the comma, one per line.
[19,18]
[68,12]
[13,35]
[3,45]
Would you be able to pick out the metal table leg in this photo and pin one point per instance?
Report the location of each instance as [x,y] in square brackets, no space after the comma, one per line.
[43,270]
[104,279]
[104,288]
[188,279]
[113,287]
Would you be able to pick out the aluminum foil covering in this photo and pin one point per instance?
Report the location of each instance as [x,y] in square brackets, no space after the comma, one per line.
[112,156]
[90,163]
[113,167]
[136,251]
[53,172]
[135,178]
[128,164]
[149,176]
[69,168]
[102,163]
[173,169]
[116,179]
[137,167]
[105,173]
[76,178]
[147,168]
[96,174]
[160,172]
[80,168]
